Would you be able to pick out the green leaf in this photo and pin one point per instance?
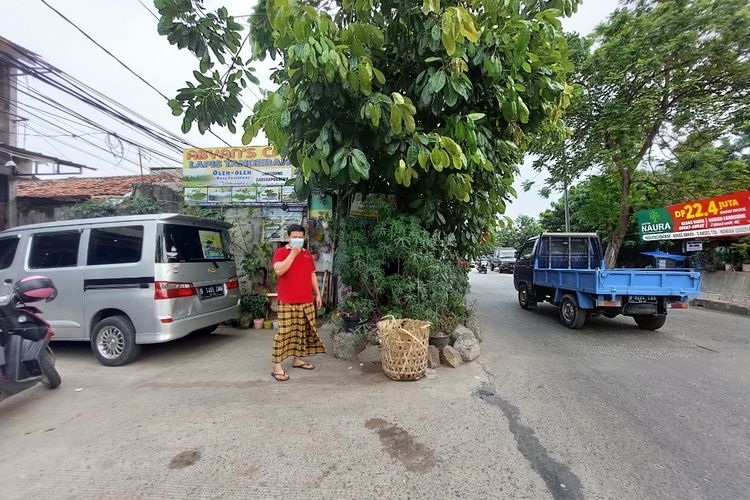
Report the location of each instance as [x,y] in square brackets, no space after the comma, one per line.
[412,155]
[205,63]
[523,110]
[437,82]
[436,157]
[432,59]
[379,76]
[397,98]
[475,117]
[176,107]
[375,115]
[396,119]
[360,164]
[409,125]
[449,42]
[526,67]
[423,158]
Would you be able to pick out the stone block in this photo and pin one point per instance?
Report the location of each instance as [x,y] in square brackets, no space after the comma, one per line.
[433,357]
[452,358]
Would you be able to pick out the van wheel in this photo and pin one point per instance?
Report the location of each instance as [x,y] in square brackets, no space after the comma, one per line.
[113,341]
[650,322]
[524,297]
[571,314]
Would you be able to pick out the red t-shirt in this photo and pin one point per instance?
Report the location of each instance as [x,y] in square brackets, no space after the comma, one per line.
[295,285]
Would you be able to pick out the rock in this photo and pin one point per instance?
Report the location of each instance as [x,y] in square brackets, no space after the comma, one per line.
[347,345]
[460,330]
[451,357]
[371,354]
[433,357]
[472,323]
[467,346]
[430,373]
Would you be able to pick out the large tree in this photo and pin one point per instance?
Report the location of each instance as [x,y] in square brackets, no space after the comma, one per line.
[654,74]
[435,103]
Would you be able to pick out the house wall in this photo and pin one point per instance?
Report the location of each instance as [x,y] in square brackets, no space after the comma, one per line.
[169,194]
[38,210]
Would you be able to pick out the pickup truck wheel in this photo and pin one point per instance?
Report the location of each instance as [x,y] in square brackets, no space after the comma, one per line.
[571,314]
[650,322]
[524,297]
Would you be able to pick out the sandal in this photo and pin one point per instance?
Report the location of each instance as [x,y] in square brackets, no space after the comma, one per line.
[280,377]
[305,366]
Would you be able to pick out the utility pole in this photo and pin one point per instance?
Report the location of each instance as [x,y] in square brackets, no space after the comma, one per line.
[567,209]
[140,162]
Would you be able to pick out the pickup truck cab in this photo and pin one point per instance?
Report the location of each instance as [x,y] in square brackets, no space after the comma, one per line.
[568,271]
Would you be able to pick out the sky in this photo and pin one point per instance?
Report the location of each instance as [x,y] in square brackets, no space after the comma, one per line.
[127,28]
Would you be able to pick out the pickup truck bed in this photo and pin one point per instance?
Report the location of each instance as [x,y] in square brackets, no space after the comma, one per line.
[612,282]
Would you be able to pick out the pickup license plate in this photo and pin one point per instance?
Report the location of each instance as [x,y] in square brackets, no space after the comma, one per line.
[207,292]
[642,299]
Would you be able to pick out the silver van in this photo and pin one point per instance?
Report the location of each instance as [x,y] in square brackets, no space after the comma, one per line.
[126,281]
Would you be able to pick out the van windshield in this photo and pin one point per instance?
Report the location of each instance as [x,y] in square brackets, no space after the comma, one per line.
[193,244]
[507,254]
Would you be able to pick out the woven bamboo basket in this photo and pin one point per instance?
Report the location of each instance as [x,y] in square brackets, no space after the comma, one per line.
[404,347]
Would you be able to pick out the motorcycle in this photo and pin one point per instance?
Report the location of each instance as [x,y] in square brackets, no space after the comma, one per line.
[482,267]
[26,358]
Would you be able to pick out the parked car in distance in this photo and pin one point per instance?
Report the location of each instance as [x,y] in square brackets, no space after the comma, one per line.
[504,260]
[130,280]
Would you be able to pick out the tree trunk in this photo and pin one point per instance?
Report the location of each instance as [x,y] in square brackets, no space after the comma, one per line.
[623,219]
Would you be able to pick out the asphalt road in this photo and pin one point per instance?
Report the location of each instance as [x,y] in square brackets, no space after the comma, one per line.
[608,411]
[611,411]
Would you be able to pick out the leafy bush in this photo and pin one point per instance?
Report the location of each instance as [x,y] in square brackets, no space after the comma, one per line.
[137,205]
[254,305]
[400,268]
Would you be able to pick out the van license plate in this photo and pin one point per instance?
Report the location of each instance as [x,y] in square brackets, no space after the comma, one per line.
[642,299]
[211,291]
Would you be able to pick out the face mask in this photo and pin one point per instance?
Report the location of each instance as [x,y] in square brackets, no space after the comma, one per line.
[297,242]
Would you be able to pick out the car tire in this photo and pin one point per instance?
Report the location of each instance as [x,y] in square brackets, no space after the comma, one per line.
[525,299]
[113,341]
[206,331]
[571,314]
[650,322]
[50,377]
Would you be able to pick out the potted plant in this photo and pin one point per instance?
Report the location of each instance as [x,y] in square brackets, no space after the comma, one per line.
[350,315]
[254,305]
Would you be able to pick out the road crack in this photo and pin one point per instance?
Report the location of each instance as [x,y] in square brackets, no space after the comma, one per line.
[561,482]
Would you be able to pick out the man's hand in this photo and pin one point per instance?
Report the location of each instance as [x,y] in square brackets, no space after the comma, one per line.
[296,250]
[318,302]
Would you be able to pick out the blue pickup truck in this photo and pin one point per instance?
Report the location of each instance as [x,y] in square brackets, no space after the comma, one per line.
[567,270]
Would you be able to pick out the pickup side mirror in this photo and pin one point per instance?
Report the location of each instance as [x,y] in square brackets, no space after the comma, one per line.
[517,254]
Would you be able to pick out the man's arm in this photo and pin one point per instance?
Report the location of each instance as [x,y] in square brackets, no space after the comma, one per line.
[280,268]
[316,290]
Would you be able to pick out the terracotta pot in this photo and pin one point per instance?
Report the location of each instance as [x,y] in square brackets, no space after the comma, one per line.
[258,323]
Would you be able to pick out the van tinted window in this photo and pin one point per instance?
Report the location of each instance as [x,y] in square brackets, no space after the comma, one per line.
[115,245]
[193,244]
[54,250]
[8,248]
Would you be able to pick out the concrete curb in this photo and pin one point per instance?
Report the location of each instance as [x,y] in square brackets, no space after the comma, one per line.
[717,305]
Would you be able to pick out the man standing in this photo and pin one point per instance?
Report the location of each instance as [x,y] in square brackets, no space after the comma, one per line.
[298,333]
